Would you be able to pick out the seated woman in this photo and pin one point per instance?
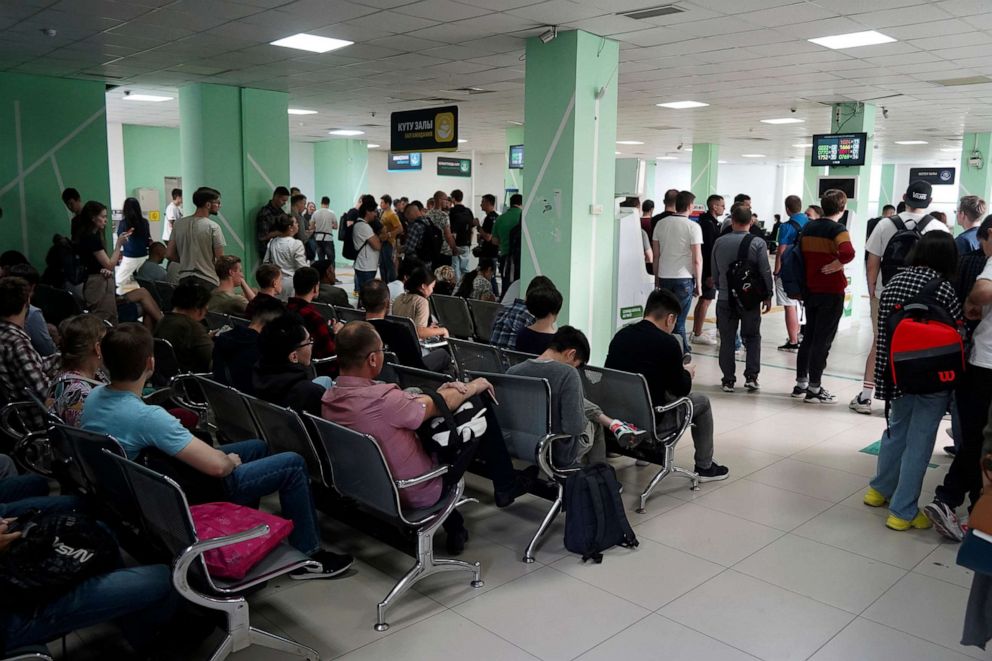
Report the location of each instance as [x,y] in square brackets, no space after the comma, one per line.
[545,306]
[99,287]
[414,305]
[286,252]
[282,374]
[446,281]
[478,284]
[82,365]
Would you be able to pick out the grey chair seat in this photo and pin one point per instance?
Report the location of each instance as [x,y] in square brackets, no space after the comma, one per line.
[271,566]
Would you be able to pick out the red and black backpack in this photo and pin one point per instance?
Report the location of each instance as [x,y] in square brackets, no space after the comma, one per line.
[926,351]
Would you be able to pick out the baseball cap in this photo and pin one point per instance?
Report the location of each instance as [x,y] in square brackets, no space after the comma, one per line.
[918,194]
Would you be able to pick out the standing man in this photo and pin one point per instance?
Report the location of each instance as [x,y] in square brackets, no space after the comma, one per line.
[391,231]
[788,238]
[173,212]
[266,218]
[826,247]
[366,243]
[669,202]
[971,210]
[504,225]
[324,224]
[462,221]
[710,227]
[74,203]
[647,211]
[297,208]
[487,248]
[730,316]
[438,216]
[197,240]
[678,250]
[915,218]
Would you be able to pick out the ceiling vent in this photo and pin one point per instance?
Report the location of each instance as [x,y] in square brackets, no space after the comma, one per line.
[651,12]
[957,82]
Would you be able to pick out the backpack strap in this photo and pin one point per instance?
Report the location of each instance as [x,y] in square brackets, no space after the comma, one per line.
[594,482]
[898,222]
[745,246]
[922,223]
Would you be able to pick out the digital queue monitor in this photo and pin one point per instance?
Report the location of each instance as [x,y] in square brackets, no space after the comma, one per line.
[839,149]
[399,162]
[516,157]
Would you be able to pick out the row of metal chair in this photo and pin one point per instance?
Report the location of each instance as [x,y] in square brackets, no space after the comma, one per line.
[480,357]
[466,319]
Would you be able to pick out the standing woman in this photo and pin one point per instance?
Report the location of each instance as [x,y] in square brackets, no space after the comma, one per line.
[913,419]
[286,251]
[136,247]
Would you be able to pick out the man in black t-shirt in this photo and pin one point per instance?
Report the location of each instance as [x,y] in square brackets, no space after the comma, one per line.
[649,348]
[462,221]
[709,222]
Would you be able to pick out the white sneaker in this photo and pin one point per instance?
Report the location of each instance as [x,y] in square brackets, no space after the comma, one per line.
[860,405]
[740,354]
[703,339]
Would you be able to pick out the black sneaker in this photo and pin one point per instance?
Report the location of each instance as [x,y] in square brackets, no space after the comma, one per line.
[727,386]
[789,346]
[751,385]
[456,542]
[522,483]
[799,391]
[821,396]
[331,565]
[714,473]
[950,451]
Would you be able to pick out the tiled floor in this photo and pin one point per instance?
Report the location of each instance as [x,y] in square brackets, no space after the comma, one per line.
[782,561]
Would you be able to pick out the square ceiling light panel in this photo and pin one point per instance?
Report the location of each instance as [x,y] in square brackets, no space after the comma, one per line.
[682,105]
[853,40]
[311,43]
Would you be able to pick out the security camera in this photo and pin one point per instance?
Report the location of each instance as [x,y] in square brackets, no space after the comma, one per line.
[49,32]
[549,35]
[127,92]
[885,112]
[792,109]
[679,147]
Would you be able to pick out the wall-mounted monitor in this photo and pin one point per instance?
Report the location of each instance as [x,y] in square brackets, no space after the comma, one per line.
[516,157]
[839,149]
[847,184]
[401,162]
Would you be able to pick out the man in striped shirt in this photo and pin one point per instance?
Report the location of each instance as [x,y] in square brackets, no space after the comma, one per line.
[826,247]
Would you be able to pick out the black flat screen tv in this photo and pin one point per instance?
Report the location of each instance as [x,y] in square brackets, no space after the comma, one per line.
[839,149]
[516,157]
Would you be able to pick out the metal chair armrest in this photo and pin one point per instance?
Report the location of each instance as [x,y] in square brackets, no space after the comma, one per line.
[671,406]
[420,479]
[181,567]
[683,425]
[544,460]
[179,394]
[13,409]
[324,361]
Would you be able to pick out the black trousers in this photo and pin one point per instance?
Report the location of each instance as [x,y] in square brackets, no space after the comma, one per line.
[964,477]
[823,313]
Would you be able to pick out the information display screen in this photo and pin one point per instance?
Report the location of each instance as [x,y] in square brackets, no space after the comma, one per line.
[839,149]
[411,161]
[516,157]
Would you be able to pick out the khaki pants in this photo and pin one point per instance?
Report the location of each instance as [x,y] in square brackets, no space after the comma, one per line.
[100,297]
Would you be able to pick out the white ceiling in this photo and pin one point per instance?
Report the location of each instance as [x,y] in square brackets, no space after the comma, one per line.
[748,58]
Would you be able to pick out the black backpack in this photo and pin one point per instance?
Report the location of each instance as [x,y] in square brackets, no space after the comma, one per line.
[895,257]
[348,249]
[747,287]
[429,250]
[63,264]
[595,519]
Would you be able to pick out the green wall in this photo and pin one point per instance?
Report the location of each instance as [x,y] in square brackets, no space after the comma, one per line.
[53,135]
[151,153]
[341,172]
[265,142]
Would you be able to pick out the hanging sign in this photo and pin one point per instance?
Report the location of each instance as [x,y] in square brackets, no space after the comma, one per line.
[933,176]
[454,167]
[428,129]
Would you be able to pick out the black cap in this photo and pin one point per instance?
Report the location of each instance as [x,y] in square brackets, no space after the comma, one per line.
[918,194]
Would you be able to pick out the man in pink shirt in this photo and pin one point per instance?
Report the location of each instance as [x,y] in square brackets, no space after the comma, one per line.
[392,416]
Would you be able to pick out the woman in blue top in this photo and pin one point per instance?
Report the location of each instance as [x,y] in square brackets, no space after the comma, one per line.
[135,249]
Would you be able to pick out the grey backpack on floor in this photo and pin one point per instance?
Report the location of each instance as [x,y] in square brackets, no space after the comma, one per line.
[594,515]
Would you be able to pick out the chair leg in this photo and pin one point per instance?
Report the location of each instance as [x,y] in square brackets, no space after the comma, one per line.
[548,518]
[689,475]
[274,642]
[401,586]
[664,472]
[224,650]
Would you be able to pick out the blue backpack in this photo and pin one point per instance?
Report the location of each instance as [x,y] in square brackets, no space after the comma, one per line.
[793,271]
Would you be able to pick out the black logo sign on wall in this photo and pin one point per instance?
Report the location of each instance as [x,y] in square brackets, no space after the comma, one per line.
[429,129]
[933,176]
[454,167]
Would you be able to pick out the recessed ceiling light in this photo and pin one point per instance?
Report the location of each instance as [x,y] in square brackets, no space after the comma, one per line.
[783,120]
[911,142]
[950,149]
[153,98]
[629,142]
[666,158]
[753,155]
[346,132]
[722,162]
[682,105]
[618,152]
[803,145]
[312,43]
[462,140]
[372,146]
[688,150]
[853,39]
[301,111]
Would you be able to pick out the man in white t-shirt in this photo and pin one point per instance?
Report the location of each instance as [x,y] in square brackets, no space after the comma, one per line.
[915,217]
[678,253]
[173,212]
[325,223]
[366,243]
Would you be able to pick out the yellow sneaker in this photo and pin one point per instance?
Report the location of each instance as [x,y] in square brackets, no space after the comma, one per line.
[920,522]
[874,498]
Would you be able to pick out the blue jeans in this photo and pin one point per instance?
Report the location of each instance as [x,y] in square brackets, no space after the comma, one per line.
[361,277]
[906,448]
[260,474]
[459,261]
[19,487]
[683,288]
[387,269]
[139,599]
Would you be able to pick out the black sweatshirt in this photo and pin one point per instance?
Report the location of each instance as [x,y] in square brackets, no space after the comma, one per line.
[643,348]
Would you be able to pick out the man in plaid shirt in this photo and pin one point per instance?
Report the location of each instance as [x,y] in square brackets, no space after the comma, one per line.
[414,230]
[306,285]
[20,365]
[511,319]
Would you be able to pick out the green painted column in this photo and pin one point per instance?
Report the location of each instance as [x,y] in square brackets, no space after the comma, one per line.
[568,230]
[650,173]
[341,172]
[513,178]
[265,154]
[887,192]
[704,170]
[976,181]
[53,135]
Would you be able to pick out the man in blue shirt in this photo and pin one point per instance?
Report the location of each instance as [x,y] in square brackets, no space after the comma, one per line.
[971,210]
[788,236]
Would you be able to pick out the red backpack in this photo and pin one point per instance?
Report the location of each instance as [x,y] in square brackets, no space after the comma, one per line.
[926,351]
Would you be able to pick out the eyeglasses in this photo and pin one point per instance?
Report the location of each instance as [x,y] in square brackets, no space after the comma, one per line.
[304,345]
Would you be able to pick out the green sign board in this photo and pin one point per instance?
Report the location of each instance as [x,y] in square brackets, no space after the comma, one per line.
[454,167]
[633,312]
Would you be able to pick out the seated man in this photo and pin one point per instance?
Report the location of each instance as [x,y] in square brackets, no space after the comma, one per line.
[392,416]
[328,292]
[649,348]
[184,329]
[571,412]
[512,318]
[306,286]
[246,469]
[224,299]
[35,325]
[543,304]
[269,279]
[236,350]
[152,268]
[375,300]
[282,373]
[20,365]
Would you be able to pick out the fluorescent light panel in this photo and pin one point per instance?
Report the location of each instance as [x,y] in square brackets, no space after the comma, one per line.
[629,142]
[853,40]
[753,155]
[301,111]
[462,140]
[911,142]
[682,105]
[950,149]
[311,43]
[372,146]
[803,145]
[666,158]
[152,98]
[783,120]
